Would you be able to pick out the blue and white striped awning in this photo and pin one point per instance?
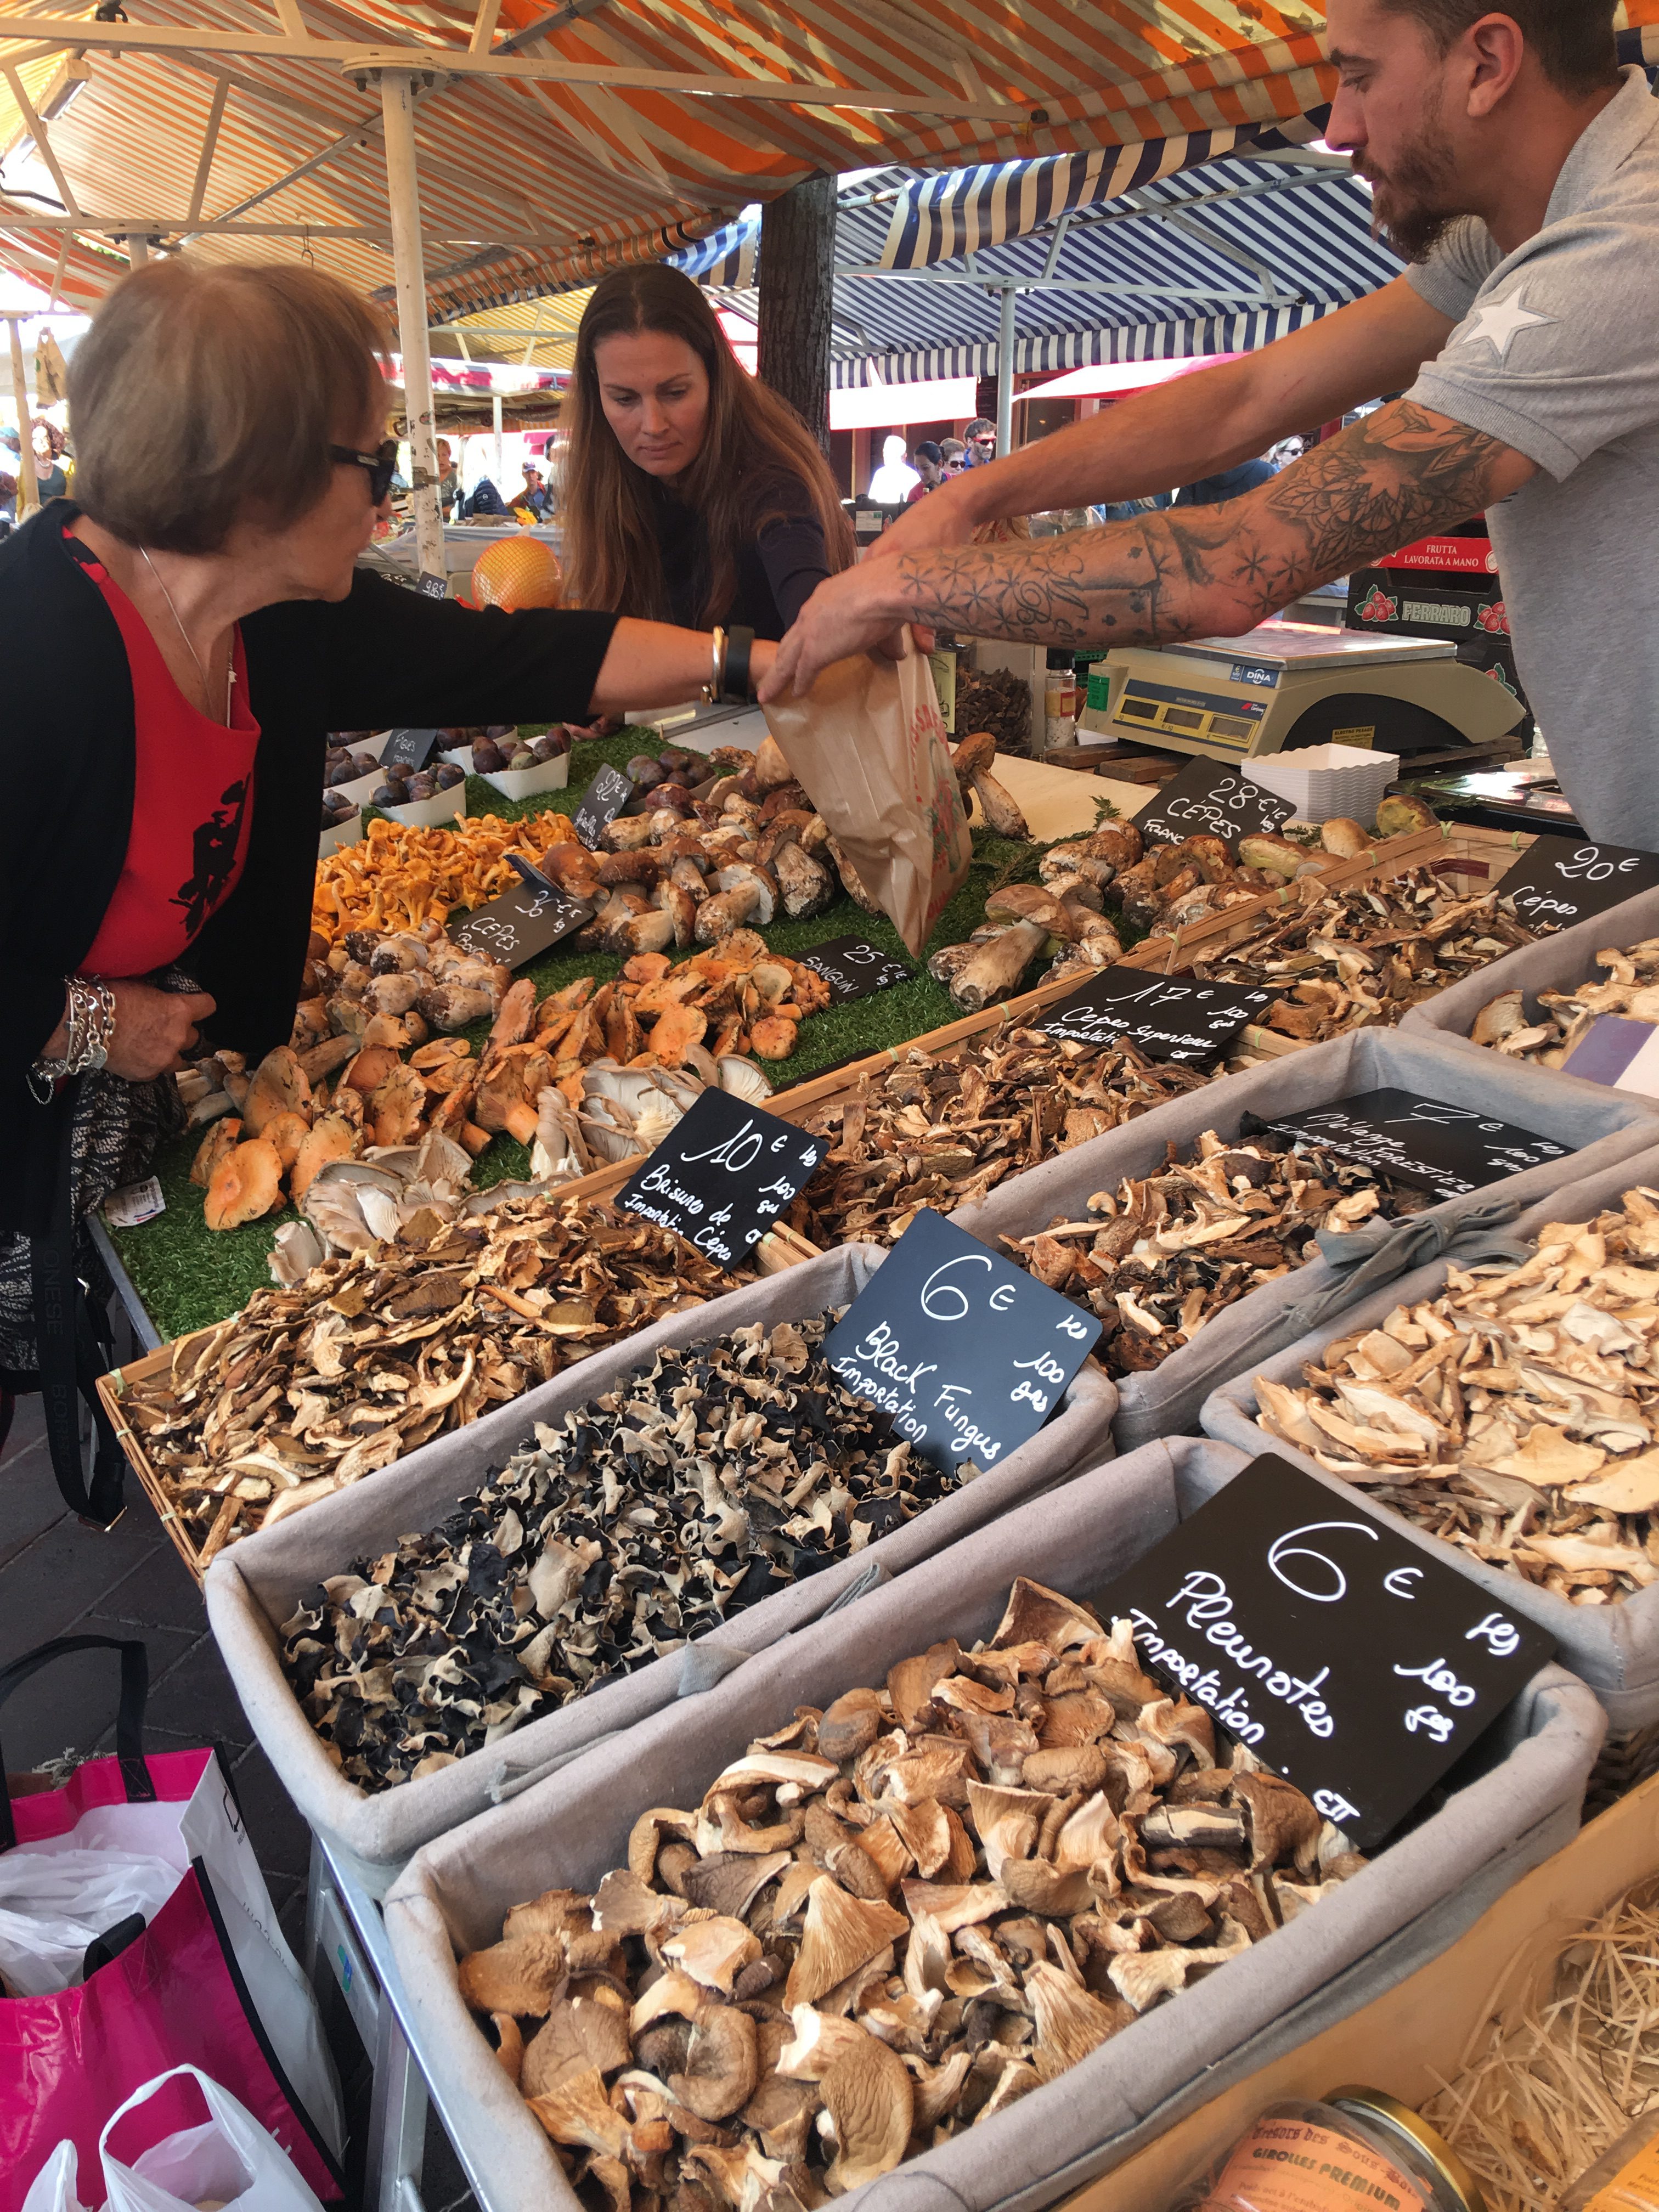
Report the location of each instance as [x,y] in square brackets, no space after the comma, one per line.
[1218,257]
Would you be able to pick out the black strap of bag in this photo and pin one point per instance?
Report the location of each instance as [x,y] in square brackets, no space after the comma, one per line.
[74,1346]
[129,1718]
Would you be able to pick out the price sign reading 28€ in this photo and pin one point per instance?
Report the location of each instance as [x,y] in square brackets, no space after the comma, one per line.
[968,1353]
[723,1175]
[1345,1655]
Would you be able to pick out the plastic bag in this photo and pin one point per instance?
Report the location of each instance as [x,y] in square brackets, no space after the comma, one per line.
[867,743]
[227,2160]
[53,1904]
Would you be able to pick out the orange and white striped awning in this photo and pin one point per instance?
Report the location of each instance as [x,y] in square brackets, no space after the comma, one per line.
[557,141]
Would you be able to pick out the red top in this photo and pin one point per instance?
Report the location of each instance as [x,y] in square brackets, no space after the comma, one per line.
[191,806]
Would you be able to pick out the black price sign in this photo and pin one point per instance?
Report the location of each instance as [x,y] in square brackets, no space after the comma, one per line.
[1447,1151]
[968,1353]
[1210,800]
[409,749]
[520,924]
[602,802]
[1343,1655]
[1168,1019]
[723,1175]
[1559,881]
[433,587]
[853,968]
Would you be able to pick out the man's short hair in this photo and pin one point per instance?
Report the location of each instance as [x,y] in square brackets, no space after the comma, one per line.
[204,396]
[1573,40]
[980,429]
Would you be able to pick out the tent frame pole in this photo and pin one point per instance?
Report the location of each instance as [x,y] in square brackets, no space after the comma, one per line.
[1006,370]
[28,487]
[409,266]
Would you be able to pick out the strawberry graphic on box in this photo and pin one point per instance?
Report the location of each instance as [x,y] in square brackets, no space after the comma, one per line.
[1500,675]
[1379,607]
[1494,618]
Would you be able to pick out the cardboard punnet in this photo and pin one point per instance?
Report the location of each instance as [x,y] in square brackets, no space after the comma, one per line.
[1414,1900]
[253,1587]
[1599,1126]
[1613,1647]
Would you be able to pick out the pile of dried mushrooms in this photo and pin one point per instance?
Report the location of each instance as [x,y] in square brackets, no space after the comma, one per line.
[1165,1253]
[1631,990]
[309,1388]
[943,1132]
[1357,958]
[891,1919]
[685,1495]
[1517,1415]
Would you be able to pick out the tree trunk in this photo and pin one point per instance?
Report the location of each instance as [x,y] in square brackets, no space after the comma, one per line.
[797,293]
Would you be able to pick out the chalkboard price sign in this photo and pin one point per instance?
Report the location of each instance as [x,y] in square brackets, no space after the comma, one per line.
[409,749]
[1346,1657]
[968,1353]
[1448,1150]
[602,802]
[854,969]
[1211,800]
[1559,881]
[432,586]
[1168,1019]
[520,924]
[723,1175]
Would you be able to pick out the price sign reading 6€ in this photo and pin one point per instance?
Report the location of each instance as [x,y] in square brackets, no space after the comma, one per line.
[968,1353]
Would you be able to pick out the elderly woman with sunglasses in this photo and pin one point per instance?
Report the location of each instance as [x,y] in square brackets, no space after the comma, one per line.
[196,623]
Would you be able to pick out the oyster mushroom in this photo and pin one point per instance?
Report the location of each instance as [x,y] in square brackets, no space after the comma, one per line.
[578,2114]
[839,1935]
[1070,2023]
[868,2094]
[577,2034]
[722,2067]
[712,1952]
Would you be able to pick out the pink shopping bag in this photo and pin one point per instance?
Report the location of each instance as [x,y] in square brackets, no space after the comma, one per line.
[208,1983]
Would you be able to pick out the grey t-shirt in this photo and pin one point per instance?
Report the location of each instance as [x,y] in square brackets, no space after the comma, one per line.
[1557,353]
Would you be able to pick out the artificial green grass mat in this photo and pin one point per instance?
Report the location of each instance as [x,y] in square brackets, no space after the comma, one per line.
[187,1276]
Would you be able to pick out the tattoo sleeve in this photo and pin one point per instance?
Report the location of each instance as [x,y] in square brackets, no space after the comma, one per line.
[1197,572]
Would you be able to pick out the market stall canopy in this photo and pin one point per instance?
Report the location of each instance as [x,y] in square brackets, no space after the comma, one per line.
[555,143]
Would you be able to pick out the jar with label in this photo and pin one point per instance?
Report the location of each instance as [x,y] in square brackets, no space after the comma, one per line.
[1359,2146]
[1626,2177]
[1059,699]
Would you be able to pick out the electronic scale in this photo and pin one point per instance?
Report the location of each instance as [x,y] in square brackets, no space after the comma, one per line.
[1288,685]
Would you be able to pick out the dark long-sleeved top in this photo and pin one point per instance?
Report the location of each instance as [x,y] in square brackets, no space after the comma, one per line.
[782,562]
[381,656]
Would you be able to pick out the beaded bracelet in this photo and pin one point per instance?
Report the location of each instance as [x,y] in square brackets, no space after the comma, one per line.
[89,1028]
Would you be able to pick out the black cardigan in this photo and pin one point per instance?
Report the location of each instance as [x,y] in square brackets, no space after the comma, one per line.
[780,563]
[382,656]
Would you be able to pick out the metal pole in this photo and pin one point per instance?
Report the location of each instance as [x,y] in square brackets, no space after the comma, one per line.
[1006,370]
[495,417]
[137,253]
[28,487]
[403,193]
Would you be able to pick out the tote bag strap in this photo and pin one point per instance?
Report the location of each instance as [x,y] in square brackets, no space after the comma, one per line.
[129,1719]
[73,1347]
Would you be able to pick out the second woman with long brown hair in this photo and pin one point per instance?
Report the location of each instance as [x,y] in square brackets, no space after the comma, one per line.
[692,493]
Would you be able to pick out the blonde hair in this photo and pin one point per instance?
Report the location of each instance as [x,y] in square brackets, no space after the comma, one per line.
[205,397]
[752,438]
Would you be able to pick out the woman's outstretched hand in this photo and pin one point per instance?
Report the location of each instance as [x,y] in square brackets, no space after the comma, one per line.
[153,1028]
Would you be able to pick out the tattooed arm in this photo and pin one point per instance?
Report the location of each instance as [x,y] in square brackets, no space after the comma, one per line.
[1193,572]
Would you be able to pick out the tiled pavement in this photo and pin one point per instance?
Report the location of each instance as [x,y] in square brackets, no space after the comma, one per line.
[58,1578]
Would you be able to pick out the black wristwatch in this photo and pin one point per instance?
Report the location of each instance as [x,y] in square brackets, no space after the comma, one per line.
[736,689]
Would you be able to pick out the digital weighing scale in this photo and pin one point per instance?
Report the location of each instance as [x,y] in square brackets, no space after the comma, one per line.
[1288,685]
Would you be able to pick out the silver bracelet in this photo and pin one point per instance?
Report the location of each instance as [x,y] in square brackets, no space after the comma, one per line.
[89,1031]
[713,690]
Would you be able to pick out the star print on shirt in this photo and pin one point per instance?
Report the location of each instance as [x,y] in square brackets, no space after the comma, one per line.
[1498,324]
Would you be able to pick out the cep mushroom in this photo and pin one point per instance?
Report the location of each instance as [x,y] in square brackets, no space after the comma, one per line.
[744,893]
[995,968]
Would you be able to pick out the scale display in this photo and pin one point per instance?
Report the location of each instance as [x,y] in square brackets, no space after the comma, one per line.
[1296,683]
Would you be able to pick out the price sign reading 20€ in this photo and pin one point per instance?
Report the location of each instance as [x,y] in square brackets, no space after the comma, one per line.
[723,1176]
[968,1353]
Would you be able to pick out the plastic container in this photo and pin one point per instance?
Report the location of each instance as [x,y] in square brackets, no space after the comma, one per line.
[342,834]
[1357,2147]
[529,782]
[1323,781]
[427,813]
[1059,699]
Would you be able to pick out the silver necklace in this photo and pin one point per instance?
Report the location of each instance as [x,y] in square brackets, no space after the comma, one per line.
[230,672]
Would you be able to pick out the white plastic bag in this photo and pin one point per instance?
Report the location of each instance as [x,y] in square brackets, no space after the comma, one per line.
[229,2160]
[56,2187]
[53,1904]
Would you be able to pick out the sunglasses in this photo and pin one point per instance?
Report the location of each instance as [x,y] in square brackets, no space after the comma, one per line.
[379,466]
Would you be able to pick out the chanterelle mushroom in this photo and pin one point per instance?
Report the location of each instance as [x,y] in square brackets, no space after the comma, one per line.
[799,2041]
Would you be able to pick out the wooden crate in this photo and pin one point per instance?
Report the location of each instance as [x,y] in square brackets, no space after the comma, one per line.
[1418,2036]
[781,1247]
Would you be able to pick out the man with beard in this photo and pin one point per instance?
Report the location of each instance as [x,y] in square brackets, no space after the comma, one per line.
[1519,172]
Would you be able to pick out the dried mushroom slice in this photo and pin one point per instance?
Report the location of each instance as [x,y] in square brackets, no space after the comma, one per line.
[670,1504]
[1517,1415]
[795,2037]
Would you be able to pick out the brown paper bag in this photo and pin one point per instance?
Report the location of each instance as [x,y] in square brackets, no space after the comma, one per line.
[867,743]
